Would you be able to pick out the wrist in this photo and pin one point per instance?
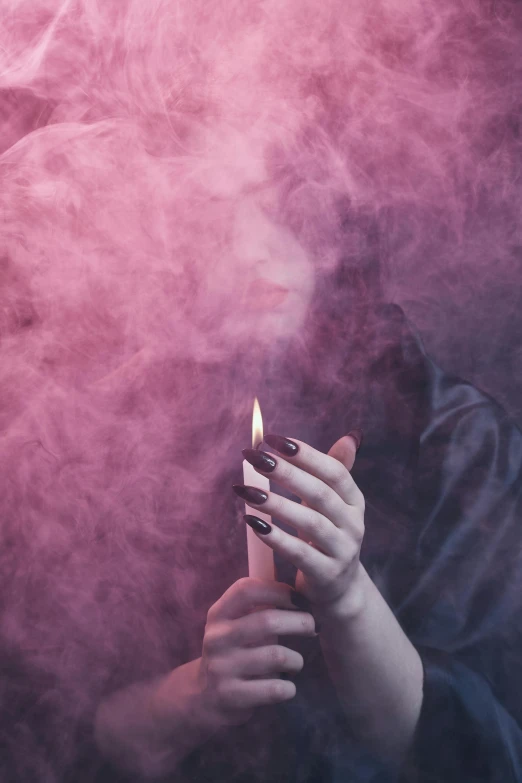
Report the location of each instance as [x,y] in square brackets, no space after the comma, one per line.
[149,727]
[349,605]
[180,698]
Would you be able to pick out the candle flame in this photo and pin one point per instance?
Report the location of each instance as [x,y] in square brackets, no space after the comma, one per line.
[257,425]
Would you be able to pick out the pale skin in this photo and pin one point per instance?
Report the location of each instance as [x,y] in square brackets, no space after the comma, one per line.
[149,728]
[374,668]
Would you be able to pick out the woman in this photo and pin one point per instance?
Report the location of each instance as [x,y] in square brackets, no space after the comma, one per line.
[145,308]
[413,670]
[434,700]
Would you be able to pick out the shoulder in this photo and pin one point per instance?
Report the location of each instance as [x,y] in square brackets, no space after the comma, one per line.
[441,467]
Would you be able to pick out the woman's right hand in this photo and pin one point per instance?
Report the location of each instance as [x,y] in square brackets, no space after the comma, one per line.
[241,660]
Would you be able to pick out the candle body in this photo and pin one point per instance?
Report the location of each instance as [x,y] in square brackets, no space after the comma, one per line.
[260,556]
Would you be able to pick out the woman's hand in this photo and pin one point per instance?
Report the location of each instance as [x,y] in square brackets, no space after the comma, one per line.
[381,694]
[241,660]
[149,727]
[329,521]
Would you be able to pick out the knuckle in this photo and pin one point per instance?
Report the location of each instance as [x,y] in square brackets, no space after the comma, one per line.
[277,690]
[308,623]
[214,669]
[341,571]
[210,639]
[299,661]
[276,656]
[356,532]
[352,551]
[211,614]
[335,571]
[349,549]
[319,494]
[315,524]
[337,474]
[359,533]
[246,585]
[360,500]
[250,606]
[271,623]
[213,639]
[251,590]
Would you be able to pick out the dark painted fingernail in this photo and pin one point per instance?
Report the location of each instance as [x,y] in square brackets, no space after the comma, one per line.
[250,494]
[357,435]
[282,445]
[258,524]
[299,601]
[260,460]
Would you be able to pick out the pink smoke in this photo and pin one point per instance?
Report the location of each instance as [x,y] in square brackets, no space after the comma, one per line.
[157,159]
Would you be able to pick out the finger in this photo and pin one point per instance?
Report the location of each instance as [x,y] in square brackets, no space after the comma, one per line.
[246,694]
[316,494]
[261,661]
[331,468]
[345,449]
[297,551]
[257,629]
[309,523]
[248,594]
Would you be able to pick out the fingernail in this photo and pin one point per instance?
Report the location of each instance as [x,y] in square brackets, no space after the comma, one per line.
[299,601]
[357,435]
[282,445]
[250,494]
[258,524]
[260,460]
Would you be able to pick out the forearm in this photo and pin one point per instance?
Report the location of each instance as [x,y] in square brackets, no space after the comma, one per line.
[150,727]
[375,669]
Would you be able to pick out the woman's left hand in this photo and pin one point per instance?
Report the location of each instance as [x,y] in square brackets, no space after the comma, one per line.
[329,521]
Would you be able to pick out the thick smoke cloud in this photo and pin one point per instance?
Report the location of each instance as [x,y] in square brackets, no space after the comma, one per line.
[157,160]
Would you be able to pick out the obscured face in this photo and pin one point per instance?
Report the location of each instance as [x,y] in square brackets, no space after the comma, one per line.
[276,277]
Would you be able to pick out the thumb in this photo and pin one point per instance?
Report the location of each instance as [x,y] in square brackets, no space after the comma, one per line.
[345,449]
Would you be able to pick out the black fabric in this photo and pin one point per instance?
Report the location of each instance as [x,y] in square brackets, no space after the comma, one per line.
[440,468]
[455,579]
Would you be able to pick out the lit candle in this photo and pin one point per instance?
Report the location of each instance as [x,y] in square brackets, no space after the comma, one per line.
[260,556]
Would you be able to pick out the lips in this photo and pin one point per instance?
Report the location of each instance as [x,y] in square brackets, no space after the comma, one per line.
[265,295]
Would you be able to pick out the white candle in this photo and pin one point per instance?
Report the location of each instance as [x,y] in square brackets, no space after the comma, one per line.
[260,556]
